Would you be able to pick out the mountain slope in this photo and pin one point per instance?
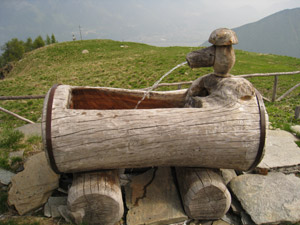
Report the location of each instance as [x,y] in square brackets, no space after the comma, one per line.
[278,34]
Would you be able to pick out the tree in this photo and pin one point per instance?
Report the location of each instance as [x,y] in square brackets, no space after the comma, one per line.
[2,63]
[38,42]
[53,40]
[48,41]
[13,51]
[28,45]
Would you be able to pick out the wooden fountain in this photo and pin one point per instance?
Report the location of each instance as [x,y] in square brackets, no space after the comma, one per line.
[219,122]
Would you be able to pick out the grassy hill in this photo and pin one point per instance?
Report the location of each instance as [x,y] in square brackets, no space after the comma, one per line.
[131,65]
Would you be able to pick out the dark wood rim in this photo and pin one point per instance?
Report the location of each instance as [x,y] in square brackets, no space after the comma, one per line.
[48,129]
[262,111]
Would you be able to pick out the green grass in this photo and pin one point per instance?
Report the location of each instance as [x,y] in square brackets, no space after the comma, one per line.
[13,140]
[137,66]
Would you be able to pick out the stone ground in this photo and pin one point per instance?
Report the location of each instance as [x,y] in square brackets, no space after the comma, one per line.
[269,195]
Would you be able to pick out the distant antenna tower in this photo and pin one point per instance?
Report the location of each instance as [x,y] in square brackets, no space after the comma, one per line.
[80,32]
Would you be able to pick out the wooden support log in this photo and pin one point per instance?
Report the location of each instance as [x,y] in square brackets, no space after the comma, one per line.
[87,128]
[96,198]
[22,97]
[288,92]
[203,192]
[16,115]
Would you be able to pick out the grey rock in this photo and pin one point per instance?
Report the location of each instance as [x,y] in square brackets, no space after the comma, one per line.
[223,36]
[63,210]
[51,207]
[269,199]
[5,176]
[296,128]
[281,152]
[31,129]
[228,175]
[32,187]
[152,198]
[236,206]
[246,219]
[231,219]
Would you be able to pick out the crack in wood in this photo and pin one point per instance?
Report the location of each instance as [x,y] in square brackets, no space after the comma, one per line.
[145,188]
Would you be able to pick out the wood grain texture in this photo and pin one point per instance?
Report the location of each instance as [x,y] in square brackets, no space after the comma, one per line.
[96,198]
[224,133]
[203,192]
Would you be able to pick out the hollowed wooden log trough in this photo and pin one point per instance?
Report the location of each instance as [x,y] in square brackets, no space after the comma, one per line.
[93,128]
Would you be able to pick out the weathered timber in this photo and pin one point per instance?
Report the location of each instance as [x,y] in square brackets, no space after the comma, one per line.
[288,92]
[16,115]
[275,88]
[90,128]
[203,193]
[297,112]
[22,97]
[95,198]
[224,60]
[201,58]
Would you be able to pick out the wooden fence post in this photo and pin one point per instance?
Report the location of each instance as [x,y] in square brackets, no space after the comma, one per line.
[274,88]
[297,112]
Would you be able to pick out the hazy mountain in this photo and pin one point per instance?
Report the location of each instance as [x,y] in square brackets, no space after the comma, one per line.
[278,34]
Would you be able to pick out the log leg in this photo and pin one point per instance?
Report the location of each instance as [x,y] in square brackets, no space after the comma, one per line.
[203,192]
[96,198]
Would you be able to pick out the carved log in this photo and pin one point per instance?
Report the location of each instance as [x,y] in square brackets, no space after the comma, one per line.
[88,128]
[96,198]
[201,58]
[203,192]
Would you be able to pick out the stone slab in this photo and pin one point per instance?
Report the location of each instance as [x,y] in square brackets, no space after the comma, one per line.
[273,198]
[51,207]
[6,176]
[152,198]
[31,129]
[281,152]
[32,187]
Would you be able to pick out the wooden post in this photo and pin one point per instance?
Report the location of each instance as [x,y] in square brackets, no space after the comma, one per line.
[96,198]
[297,112]
[203,192]
[274,88]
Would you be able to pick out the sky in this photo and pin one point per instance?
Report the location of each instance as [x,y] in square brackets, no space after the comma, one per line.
[155,22]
